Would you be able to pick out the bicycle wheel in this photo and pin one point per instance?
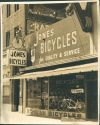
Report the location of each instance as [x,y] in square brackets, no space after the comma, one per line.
[70,106]
[80,107]
[65,107]
[59,107]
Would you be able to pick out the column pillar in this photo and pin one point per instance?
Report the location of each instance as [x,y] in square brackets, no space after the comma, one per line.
[85,86]
[24,95]
[20,108]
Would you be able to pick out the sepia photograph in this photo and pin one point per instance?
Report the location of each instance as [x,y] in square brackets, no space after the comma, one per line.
[49,62]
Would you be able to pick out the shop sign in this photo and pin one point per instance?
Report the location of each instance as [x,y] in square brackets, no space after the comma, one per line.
[17,57]
[60,114]
[60,42]
[77,90]
[36,112]
[33,26]
[54,114]
[79,76]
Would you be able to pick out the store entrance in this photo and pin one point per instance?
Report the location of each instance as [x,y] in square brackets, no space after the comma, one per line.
[15,95]
[92,104]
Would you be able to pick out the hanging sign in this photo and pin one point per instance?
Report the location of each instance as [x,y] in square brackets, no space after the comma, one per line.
[80,90]
[17,57]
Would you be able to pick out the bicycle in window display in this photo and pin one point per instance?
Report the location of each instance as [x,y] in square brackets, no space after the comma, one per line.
[67,104]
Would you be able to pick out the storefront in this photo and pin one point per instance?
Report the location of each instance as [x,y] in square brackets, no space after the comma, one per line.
[65,92]
[66,95]
[62,81]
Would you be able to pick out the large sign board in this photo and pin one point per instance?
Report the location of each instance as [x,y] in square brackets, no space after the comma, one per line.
[17,57]
[61,41]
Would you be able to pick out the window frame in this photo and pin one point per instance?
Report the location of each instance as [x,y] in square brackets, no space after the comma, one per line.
[16,7]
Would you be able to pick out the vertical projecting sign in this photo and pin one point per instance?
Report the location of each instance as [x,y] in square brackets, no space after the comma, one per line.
[17,57]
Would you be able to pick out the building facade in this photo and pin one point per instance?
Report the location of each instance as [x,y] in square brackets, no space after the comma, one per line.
[11,24]
[52,69]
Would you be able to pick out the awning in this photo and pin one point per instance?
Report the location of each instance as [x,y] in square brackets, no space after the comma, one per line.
[60,71]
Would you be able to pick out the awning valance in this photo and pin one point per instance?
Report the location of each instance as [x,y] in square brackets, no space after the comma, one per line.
[60,71]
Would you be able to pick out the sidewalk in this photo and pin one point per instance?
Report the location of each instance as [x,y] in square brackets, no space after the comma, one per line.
[19,118]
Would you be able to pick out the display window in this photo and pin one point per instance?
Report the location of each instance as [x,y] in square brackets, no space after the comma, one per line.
[61,93]
[37,93]
[33,93]
[67,94]
[72,93]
